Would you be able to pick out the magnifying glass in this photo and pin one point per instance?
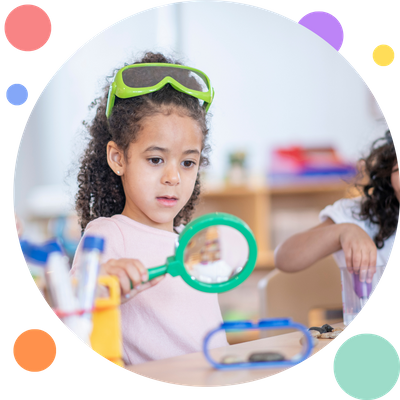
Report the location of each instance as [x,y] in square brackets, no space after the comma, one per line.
[215,253]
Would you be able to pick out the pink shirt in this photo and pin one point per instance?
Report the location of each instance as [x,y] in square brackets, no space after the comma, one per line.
[169,319]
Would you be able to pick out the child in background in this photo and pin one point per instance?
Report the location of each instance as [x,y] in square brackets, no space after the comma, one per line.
[359,231]
[138,183]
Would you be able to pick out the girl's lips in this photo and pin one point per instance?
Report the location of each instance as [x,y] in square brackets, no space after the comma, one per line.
[167,201]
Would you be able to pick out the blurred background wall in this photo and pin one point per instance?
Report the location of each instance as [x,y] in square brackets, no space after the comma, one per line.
[276,84]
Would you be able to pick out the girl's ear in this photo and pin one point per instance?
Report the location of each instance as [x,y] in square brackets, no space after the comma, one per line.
[115,158]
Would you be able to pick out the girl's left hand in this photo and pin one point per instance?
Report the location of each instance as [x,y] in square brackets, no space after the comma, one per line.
[129,270]
[360,251]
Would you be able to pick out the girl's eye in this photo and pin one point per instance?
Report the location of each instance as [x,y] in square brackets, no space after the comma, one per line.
[155,160]
[188,163]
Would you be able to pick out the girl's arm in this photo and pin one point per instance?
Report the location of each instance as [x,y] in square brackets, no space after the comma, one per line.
[302,250]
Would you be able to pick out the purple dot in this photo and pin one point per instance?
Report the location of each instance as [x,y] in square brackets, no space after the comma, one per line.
[326,26]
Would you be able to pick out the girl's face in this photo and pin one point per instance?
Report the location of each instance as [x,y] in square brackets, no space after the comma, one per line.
[160,171]
[396,181]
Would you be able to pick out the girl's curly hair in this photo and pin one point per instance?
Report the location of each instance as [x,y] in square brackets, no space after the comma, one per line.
[380,204]
[100,191]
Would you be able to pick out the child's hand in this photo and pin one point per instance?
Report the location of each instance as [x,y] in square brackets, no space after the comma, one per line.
[360,251]
[129,270]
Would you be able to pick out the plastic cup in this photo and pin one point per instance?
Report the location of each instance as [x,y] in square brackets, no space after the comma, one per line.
[355,294]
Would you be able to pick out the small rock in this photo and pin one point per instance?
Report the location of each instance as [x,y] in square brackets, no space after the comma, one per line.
[315,328]
[330,335]
[327,328]
[231,359]
[315,334]
[335,334]
[267,356]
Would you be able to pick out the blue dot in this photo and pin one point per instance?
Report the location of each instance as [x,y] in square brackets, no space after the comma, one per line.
[17,94]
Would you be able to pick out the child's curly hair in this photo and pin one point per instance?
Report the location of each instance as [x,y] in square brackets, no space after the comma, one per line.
[100,192]
[380,204]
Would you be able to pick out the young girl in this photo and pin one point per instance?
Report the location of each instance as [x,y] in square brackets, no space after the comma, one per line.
[360,231]
[138,183]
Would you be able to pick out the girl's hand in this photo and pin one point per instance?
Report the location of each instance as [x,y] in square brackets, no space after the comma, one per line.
[129,270]
[360,251]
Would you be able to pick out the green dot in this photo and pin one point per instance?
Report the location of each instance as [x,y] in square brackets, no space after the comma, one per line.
[366,367]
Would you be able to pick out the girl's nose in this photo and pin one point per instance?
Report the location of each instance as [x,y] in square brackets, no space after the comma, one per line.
[171,176]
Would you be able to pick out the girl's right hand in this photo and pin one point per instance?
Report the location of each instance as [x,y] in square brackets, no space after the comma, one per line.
[360,251]
[129,270]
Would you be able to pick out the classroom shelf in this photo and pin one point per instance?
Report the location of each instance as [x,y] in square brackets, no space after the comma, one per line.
[255,204]
[251,204]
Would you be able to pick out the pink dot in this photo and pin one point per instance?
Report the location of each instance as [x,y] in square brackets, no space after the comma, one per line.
[27,28]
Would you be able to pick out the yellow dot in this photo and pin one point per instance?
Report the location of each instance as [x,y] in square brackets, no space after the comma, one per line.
[383,55]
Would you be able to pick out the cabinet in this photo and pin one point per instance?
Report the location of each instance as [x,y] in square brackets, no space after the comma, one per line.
[264,208]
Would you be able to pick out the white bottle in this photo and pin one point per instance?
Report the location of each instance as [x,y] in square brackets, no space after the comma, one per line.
[62,299]
[89,268]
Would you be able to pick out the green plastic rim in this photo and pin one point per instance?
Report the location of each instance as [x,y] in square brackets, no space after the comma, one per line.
[176,264]
[119,89]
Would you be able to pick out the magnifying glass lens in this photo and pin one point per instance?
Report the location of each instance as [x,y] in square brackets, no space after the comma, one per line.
[216,254]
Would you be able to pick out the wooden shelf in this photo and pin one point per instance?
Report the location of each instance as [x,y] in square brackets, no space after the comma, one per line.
[317,187]
[254,205]
[251,204]
[308,188]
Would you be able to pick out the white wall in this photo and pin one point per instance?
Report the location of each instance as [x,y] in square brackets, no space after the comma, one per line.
[275,82]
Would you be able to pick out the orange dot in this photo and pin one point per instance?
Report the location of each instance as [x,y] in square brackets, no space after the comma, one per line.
[34,350]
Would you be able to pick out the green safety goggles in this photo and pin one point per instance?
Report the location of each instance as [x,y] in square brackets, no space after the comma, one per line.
[139,79]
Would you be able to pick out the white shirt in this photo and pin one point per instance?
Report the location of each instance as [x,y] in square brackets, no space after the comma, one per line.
[346,211]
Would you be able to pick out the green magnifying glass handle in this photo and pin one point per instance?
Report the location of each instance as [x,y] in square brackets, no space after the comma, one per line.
[155,272]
